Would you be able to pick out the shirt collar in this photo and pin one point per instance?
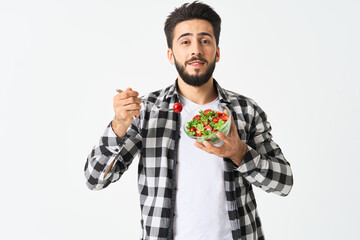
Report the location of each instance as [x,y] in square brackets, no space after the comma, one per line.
[172,91]
[223,96]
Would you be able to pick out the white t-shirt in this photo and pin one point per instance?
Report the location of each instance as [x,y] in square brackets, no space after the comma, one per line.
[200,209]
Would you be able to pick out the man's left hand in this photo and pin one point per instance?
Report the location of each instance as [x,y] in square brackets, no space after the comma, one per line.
[232,148]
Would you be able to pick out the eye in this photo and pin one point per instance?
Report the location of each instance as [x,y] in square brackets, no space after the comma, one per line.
[185,42]
[205,41]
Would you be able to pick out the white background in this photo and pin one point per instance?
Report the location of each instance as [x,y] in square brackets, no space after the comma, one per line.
[61,61]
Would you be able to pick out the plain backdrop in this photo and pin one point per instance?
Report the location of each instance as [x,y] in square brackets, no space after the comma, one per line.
[61,61]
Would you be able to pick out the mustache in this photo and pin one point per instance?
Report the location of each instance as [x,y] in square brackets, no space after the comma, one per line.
[195,59]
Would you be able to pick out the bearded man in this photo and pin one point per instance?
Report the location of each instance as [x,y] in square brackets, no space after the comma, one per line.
[192,190]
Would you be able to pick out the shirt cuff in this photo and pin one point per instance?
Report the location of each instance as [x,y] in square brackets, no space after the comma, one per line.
[111,141]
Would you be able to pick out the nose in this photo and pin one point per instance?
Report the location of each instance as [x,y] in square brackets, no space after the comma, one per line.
[196,49]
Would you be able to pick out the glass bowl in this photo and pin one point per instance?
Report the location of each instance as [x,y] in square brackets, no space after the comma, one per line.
[211,137]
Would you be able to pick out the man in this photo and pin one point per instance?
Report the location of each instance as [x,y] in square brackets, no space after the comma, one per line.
[190,190]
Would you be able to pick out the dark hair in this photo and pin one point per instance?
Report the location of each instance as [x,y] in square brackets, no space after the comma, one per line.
[189,11]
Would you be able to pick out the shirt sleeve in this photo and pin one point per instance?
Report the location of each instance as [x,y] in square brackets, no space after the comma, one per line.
[264,164]
[111,157]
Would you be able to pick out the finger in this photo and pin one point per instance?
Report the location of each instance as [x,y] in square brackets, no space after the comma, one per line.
[120,91]
[223,137]
[131,107]
[125,95]
[201,146]
[120,107]
[212,149]
[131,100]
[123,102]
[228,138]
[128,94]
[233,128]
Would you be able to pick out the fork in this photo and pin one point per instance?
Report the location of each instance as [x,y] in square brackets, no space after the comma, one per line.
[164,109]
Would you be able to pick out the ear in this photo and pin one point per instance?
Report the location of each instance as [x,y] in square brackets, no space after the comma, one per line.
[170,56]
[217,54]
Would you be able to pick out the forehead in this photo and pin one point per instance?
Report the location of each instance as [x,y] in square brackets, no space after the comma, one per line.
[193,26]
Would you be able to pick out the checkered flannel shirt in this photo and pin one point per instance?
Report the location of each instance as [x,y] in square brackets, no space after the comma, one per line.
[155,136]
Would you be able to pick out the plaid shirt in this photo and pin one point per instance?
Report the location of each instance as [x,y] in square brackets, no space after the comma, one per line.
[155,136]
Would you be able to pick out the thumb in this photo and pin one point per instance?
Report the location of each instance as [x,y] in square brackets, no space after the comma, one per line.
[128,89]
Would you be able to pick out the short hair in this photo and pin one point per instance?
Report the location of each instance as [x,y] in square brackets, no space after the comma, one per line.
[189,11]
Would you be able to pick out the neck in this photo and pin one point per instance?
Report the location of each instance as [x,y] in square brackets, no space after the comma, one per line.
[200,95]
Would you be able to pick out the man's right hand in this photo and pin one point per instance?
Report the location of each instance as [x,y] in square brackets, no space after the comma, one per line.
[126,106]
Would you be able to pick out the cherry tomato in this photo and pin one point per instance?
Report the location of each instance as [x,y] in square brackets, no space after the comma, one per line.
[219,113]
[207,111]
[216,119]
[225,117]
[177,107]
[198,133]
[192,129]
[208,127]
[198,117]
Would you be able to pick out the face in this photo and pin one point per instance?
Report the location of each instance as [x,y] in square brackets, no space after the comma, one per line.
[194,51]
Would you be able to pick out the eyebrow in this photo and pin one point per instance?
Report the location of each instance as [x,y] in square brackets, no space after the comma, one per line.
[199,34]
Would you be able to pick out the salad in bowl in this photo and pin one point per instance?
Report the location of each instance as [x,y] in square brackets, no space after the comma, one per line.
[203,124]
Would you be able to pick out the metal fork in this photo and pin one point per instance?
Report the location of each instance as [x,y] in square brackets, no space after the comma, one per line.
[164,109]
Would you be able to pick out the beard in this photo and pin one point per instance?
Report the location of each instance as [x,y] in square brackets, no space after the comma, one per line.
[196,80]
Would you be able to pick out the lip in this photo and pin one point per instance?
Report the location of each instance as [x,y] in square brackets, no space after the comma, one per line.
[196,63]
